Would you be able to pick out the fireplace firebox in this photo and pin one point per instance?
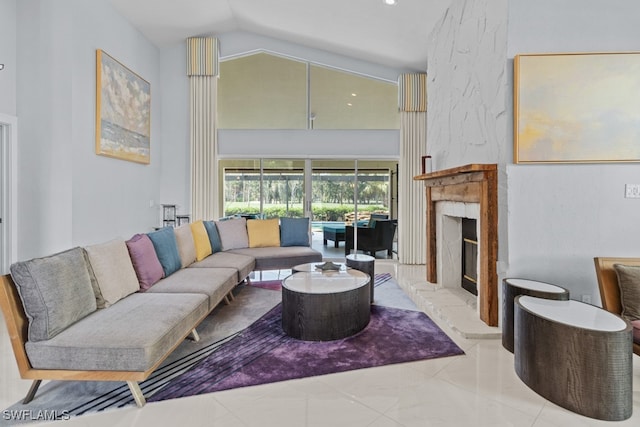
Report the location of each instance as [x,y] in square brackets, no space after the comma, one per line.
[469,276]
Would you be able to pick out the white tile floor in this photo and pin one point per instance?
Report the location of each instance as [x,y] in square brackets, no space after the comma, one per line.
[479,388]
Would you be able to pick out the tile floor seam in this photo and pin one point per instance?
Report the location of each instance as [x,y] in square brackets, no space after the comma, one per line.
[354,398]
[496,401]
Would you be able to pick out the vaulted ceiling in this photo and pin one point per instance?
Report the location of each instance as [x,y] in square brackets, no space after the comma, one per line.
[369,30]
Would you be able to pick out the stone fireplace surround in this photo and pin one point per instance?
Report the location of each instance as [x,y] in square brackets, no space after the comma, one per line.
[449,240]
[469,191]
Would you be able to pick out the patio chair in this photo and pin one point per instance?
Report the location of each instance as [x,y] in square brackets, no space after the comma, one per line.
[373,239]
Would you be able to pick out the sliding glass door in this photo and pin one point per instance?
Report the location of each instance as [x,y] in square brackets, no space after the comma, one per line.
[323,190]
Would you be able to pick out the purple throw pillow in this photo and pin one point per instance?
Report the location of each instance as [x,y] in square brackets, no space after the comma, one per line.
[145,261]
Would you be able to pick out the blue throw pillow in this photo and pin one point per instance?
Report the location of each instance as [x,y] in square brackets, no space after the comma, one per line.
[166,246]
[214,237]
[294,231]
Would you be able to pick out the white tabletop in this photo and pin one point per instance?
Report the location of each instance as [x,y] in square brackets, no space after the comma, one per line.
[325,282]
[534,285]
[573,313]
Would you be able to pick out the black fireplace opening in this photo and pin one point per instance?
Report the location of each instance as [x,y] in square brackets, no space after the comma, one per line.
[469,279]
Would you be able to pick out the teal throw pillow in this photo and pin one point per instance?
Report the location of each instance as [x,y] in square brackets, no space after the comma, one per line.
[166,246]
[214,237]
[294,231]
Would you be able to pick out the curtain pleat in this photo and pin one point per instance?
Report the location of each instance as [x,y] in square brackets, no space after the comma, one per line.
[412,223]
[204,192]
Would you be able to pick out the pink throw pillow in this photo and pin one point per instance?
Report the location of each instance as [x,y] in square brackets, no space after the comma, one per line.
[145,261]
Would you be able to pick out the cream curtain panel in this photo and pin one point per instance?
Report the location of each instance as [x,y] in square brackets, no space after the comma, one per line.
[202,69]
[412,226]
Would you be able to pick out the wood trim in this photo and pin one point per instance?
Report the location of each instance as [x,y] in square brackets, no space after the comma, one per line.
[474,183]
[608,285]
[475,167]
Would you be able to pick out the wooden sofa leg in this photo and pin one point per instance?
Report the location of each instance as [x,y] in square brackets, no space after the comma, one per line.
[231,297]
[32,391]
[137,393]
[194,335]
[226,300]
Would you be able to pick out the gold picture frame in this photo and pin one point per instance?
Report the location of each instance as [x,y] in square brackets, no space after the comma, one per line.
[577,108]
[123,111]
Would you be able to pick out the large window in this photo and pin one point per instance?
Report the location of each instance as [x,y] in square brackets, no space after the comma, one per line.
[272,188]
[276,188]
[342,100]
[264,91]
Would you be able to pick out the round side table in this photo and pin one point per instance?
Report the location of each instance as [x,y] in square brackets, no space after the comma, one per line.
[511,288]
[576,355]
[364,263]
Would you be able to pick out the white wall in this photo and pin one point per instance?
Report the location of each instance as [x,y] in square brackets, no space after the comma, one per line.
[466,85]
[175,178]
[8,57]
[467,94]
[561,216]
[67,194]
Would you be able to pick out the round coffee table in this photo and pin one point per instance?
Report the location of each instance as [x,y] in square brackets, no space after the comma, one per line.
[325,305]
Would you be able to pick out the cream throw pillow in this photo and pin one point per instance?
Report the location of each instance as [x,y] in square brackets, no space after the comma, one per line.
[113,269]
[186,245]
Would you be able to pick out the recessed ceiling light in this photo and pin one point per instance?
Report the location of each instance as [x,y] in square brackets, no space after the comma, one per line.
[354,94]
[391,2]
[1,67]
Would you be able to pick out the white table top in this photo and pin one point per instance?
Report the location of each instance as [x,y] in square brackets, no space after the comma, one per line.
[573,313]
[534,285]
[325,282]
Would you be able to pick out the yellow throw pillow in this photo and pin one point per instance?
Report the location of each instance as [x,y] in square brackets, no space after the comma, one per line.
[201,240]
[263,233]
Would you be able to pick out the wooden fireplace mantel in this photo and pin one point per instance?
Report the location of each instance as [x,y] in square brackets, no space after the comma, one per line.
[473,183]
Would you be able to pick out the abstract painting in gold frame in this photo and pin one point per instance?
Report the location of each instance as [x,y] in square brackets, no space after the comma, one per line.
[123,111]
[577,108]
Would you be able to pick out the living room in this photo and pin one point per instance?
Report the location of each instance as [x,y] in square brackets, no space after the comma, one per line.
[553,218]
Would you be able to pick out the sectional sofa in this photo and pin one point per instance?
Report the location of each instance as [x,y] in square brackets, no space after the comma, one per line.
[114,311]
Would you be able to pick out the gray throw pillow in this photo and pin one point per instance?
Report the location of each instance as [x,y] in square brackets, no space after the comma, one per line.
[629,283]
[233,233]
[56,292]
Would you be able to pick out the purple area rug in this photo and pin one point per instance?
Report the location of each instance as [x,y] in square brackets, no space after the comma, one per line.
[262,353]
